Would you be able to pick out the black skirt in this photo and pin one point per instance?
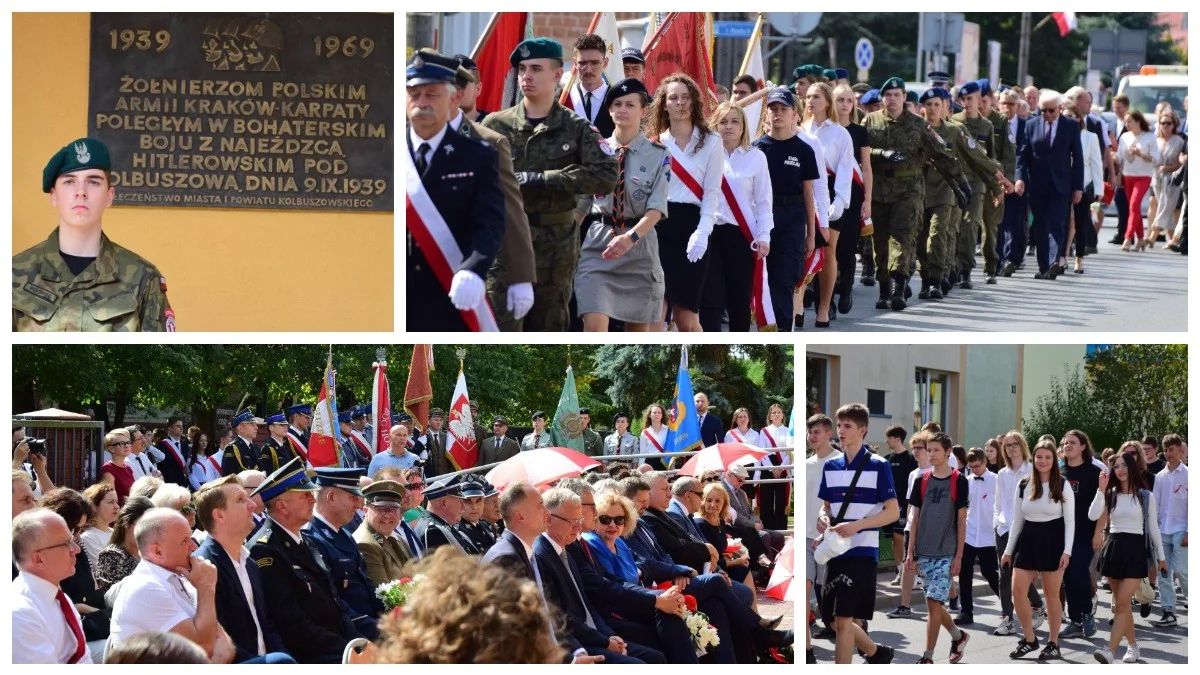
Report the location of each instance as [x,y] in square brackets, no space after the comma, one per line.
[684,280]
[1124,556]
[1040,546]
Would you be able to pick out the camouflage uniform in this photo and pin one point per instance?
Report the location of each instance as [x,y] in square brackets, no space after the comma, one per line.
[119,291]
[897,200]
[1006,154]
[981,131]
[572,155]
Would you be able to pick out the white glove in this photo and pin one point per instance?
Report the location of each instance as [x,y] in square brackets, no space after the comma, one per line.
[466,290]
[697,245]
[836,207]
[520,299]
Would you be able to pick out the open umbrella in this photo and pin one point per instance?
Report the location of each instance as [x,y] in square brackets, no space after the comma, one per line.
[720,457]
[780,585]
[540,467]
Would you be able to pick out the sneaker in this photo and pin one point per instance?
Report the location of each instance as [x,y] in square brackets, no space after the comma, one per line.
[954,607]
[809,656]
[1103,655]
[1145,610]
[958,646]
[1089,625]
[1168,619]
[1050,652]
[1095,604]
[1023,648]
[924,660]
[900,612]
[1005,627]
[1072,630]
[1039,617]
[1132,654]
[826,633]
[1104,584]
[883,654]
[964,619]
[896,581]
[920,583]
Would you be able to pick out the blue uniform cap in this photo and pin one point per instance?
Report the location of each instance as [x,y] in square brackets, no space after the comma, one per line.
[430,68]
[985,86]
[470,488]
[938,76]
[954,107]
[489,490]
[935,92]
[398,417]
[245,416]
[445,487]
[345,415]
[536,48]
[968,87]
[841,74]
[632,54]
[346,479]
[277,419]
[781,95]
[300,409]
[871,96]
[893,82]
[358,411]
[291,477]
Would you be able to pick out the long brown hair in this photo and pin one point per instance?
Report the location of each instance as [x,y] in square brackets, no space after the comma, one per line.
[826,93]
[660,120]
[1135,482]
[1086,442]
[1055,479]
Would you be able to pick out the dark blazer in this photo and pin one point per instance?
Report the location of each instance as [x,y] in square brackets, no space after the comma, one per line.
[480,534]
[712,431]
[676,540]
[272,451]
[609,594]
[560,591]
[238,456]
[233,613]
[348,571]
[509,553]
[438,463]
[488,454]
[171,470]
[655,564]
[1051,169]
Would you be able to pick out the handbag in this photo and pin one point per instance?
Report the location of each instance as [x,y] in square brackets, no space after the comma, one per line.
[1109,193]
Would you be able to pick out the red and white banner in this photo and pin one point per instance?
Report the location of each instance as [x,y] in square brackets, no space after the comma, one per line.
[323,446]
[463,452]
[298,446]
[1066,22]
[497,79]
[739,205]
[437,244]
[813,263]
[680,45]
[381,406]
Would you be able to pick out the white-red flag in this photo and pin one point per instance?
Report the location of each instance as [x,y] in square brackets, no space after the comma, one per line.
[381,406]
[1066,22]
[464,448]
[813,263]
[324,445]
[752,65]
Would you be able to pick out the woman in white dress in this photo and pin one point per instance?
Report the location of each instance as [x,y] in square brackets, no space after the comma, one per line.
[654,435]
[103,498]
[1170,145]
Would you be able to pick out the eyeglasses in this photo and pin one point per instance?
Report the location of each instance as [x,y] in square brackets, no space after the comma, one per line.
[712,479]
[187,509]
[386,510]
[70,543]
[414,486]
[1012,445]
[573,521]
[698,494]
[1049,110]
[918,447]
[120,444]
[611,520]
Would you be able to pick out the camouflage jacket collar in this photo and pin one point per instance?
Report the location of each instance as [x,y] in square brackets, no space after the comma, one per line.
[553,118]
[102,270]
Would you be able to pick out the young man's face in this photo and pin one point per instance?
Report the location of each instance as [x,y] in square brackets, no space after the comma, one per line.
[81,197]
[977,468]
[741,90]
[1149,452]
[895,443]
[850,434]
[591,64]
[937,453]
[819,435]
[920,454]
[537,77]
[1174,453]
[635,69]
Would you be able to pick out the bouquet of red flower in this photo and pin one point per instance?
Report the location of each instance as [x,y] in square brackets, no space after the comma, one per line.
[704,634]
[735,550]
[395,594]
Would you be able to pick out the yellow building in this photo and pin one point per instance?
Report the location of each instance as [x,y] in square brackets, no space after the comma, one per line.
[226,269]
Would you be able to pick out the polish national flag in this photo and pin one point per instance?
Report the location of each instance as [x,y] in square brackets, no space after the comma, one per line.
[1066,22]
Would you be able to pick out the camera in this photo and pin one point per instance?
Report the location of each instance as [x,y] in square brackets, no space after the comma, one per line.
[37,446]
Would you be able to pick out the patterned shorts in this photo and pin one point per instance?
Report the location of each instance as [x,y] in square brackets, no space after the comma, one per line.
[937,577]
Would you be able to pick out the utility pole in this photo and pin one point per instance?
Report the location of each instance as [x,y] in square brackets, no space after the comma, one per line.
[1023,50]
[920,76]
[419,32]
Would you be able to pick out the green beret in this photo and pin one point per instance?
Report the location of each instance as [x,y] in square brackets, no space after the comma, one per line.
[912,97]
[84,153]
[829,74]
[893,82]
[536,48]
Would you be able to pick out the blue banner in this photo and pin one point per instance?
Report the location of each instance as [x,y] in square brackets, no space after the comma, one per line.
[683,423]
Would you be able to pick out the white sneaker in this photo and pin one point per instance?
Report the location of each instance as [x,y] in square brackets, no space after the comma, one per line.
[1005,628]
[1103,655]
[1131,654]
[1039,618]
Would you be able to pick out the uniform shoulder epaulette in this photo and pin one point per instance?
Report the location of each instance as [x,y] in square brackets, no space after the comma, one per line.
[263,539]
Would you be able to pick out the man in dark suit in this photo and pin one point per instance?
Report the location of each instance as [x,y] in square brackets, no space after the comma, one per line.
[677,540]
[1015,225]
[454,189]
[437,441]
[711,429]
[436,527]
[242,454]
[174,466]
[563,586]
[315,626]
[499,447]
[1050,167]
[225,512]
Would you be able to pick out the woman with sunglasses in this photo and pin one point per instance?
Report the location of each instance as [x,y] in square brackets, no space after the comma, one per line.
[1017,465]
[616,518]
[1170,146]
[414,482]
[1137,152]
[115,472]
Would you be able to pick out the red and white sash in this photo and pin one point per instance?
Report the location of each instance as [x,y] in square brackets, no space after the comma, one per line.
[298,447]
[361,442]
[684,169]
[653,441]
[739,206]
[175,452]
[437,244]
[212,461]
[736,436]
[777,457]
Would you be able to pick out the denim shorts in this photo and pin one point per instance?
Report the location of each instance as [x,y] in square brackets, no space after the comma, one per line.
[937,577]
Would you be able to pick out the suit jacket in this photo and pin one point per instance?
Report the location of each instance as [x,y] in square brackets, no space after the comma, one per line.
[348,571]
[233,613]
[238,456]
[1051,168]
[737,499]
[488,454]
[682,518]
[509,552]
[385,556]
[303,599]
[515,260]
[677,540]
[602,119]
[559,583]
[436,443]
[609,594]
[712,431]
[655,563]
[172,471]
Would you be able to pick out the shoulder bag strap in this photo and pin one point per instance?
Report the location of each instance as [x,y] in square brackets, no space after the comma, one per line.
[850,490]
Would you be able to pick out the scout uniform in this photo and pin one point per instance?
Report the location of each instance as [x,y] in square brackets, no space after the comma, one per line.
[240,455]
[432,530]
[116,291]
[534,440]
[980,129]
[274,454]
[556,159]
[900,149]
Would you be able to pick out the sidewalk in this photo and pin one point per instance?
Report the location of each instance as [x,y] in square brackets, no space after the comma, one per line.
[887,596]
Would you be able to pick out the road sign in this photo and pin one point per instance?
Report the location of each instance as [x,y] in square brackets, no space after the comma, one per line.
[794,24]
[943,32]
[864,54]
[733,29]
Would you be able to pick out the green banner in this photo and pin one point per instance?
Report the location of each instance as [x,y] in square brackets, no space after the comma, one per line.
[566,430]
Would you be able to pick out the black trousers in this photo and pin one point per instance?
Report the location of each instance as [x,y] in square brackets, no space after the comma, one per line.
[773,499]
[1077,580]
[730,280]
[1085,230]
[1122,201]
[986,557]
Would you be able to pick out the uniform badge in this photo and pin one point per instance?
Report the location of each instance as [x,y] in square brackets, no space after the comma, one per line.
[624,87]
[265,562]
[606,148]
[635,179]
[81,153]
[566,147]
[169,314]
[523,50]
[163,282]
[418,62]
[449,150]
[970,142]
[639,195]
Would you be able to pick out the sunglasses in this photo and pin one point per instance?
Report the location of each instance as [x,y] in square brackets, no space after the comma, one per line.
[611,520]
[190,508]
[699,494]
[1168,123]
[712,479]
[1049,110]
[414,486]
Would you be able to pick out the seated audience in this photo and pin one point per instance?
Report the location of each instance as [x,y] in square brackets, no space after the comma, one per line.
[103,499]
[385,554]
[117,560]
[46,627]
[157,647]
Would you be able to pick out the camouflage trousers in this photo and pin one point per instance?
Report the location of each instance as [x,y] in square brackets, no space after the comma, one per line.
[993,216]
[497,290]
[556,253]
[933,242]
[896,227]
[972,221]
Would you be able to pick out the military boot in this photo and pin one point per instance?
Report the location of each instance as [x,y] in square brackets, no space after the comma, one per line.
[868,273]
[899,283]
[935,291]
[924,294]
[966,281]
[885,296]
[908,287]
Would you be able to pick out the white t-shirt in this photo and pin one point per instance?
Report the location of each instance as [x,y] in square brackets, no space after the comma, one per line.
[1126,517]
[814,467]
[93,540]
[1043,510]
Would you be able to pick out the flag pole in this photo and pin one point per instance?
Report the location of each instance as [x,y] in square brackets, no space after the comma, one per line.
[487,33]
[751,43]
[1043,22]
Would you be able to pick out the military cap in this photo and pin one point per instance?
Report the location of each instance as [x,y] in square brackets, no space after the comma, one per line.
[938,76]
[536,48]
[539,415]
[489,490]
[893,82]
[781,95]
[985,87]
[627,86]
[935,92]
[437,412]
[358,411]
[291,477]
[367,409]
[246,416]
[346,479]
[384,493]
[871,96]
[401,418]
[466,62]
[968,87]
[829,74]
[860,87]
[448,486]
[276,419]
[911,96]
[80,154]
[300,409]
[470,488]
[632,54]
[841,74]
[346,415]
[585,411]
[799,72]
[430,68]
[474,405]
[499,419]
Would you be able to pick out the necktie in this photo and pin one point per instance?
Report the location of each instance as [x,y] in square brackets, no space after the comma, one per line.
[619,190]
[536,438]
[422,162]
[145,471]
[1050,134]
[69,614]
[582,600]
[587,105]
[412,541]
[497,442]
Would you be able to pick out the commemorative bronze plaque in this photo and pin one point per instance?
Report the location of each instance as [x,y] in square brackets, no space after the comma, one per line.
[267,111]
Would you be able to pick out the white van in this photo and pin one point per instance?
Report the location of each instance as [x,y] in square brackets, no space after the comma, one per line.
[1153,84]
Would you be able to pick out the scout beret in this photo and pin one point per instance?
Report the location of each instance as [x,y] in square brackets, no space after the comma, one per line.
[911,96]
[291,477]
[781,95]
[627,86]
[985,87]
[430,68]
[841,74]
[871,96]
[346,479]
[300,409]
[632,54]
[829,74]
[246,416]
[969,87]
[384,493]
[893,82]
[935,92]
[536,48]
[80,154]
[276,419]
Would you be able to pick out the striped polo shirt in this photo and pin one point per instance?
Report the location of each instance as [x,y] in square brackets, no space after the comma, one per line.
[873,489]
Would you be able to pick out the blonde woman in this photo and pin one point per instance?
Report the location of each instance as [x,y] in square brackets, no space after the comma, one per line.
[846,108]
[728,288]
[1170,146]
[710,521]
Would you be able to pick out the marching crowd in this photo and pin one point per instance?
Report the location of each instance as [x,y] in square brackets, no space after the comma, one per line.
[1062,512]
[257,557]
[641,209]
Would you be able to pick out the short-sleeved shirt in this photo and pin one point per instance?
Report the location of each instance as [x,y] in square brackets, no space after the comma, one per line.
[388,460]
[873,489]
[152,599]
[903,463]
[122,479]
[937,524]
[790,163]
[1084,481]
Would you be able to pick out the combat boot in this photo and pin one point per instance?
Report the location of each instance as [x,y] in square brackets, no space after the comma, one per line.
[908,287]
[885,296]
[899,282]
[868,273]
[946,286]
[935,291]
[924,293]
[966,281]
[845,290]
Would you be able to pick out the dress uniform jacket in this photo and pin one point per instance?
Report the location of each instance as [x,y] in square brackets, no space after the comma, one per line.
[489,453]
[462,181]
[532,441]
[432,531]
[479,533]
[233,612]
[172,471]
[303,604]
[348,571]
[385,556]
[436,443]
[119,291]
[239,456]
[353,457]
[273,455]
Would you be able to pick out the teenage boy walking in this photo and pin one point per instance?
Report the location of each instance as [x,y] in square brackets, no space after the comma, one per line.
[908,579]
[820,433]
[980,544]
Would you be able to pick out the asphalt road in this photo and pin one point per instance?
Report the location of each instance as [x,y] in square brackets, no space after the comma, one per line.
[1117,292]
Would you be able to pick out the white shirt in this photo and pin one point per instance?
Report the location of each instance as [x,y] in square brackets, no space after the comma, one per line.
[813,468]
[151,599]
[750,174]
[1126,518]
[644,444]
[979,509]
[839,156]
[1043,511]
[709,163]
[1133,167]
[782,439]
[821,184]
[750,437]
[202,472]
[1171,492]
[577,98]
[40,633]
[93,540]
[240,567]
[454,125]
[1006,496]
[141,464]
[294,535]
[433,142]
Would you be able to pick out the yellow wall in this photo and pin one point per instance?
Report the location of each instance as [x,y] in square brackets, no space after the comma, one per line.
[226,269]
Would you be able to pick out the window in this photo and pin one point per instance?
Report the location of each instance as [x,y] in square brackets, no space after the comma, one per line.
[816,384]
[930,398]
[875,402]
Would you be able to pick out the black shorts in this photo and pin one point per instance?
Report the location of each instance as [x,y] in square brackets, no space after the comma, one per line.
[849,588]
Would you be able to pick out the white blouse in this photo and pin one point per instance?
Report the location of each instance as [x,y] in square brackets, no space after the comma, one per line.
[1126,517]
[1093,164]
[751,175]
[202,472]
[821,184]
[1134,167]
[839,157]
[782,440]
[709,163]
[645,446]
[749,438]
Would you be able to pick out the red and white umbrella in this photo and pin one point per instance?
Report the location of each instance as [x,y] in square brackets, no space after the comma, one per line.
[540,467]
[720,457]
[780,585]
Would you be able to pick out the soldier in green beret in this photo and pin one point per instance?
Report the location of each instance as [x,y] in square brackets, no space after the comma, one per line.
[79,280]
[557,156]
